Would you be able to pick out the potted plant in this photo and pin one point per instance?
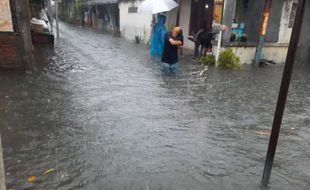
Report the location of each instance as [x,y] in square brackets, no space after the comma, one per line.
[244,38]
[233,37]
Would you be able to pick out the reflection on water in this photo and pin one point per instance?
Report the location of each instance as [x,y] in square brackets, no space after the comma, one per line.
[103,115]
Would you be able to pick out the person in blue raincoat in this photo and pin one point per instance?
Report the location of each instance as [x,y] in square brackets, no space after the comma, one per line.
[158,36]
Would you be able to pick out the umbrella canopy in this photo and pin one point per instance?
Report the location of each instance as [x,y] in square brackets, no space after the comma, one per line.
[156,6]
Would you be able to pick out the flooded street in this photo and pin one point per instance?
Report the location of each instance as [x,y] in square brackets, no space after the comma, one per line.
[102,114]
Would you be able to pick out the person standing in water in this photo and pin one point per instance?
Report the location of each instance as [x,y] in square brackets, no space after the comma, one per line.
[170,54]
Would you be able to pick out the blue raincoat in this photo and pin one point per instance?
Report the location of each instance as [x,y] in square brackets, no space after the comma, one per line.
[158,36]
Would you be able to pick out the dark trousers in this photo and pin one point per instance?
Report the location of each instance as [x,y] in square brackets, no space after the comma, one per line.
[196,50]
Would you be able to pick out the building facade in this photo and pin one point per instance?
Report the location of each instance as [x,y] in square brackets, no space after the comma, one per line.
[133,24]
[248,15]
[304,47]
[235,14]
[15,36]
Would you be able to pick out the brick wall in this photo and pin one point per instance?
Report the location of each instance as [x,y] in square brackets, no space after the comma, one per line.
[9,51]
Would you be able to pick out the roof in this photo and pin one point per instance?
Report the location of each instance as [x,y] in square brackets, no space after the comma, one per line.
[97,2]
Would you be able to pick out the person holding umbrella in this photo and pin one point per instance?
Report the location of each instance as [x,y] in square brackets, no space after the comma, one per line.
[170,54]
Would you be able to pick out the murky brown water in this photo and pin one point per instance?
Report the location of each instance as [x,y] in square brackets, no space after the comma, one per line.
[102,115]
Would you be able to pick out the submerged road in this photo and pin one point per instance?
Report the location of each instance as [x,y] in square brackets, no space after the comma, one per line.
[103,116]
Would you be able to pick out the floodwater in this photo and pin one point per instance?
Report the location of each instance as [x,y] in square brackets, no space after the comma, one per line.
[100,113]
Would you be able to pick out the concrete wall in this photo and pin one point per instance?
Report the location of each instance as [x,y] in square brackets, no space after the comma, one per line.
[272,51]
[277,53]
[132,24]
[304,48]
[251,16]
[184,22]
[171,18]
[285,31]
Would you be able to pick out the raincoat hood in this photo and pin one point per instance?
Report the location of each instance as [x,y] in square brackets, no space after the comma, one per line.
[161,19]
[158,36]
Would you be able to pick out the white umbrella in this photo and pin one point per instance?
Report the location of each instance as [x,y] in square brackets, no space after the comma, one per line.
[156,6]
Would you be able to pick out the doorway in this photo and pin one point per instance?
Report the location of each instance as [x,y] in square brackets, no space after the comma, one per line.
[203,12]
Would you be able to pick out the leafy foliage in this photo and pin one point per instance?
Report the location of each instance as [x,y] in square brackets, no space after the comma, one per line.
[207,60]
[228,60]
[233,37]
[244,38]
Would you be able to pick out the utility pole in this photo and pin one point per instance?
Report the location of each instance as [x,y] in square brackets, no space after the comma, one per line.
[57,17]
[48,4]
[25,41]
[286,79]
[262,31]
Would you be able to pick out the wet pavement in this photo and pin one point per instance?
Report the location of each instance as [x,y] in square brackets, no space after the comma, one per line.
[100,113]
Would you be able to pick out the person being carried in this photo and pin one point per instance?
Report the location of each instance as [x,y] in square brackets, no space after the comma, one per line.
[181,38]
[170,54]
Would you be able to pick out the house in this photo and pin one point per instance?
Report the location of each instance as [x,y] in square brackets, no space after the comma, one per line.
[244,15]
[15,36]
[248,15]
[101,15]
[190,15]
[133,24]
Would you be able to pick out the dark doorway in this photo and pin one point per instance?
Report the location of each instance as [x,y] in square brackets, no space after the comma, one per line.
[201,15]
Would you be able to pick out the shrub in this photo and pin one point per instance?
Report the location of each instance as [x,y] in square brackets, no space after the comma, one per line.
[207,60]
[137,39]
[228,60]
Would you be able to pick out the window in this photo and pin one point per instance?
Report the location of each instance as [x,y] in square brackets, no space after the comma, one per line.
[293,15]
[132,9]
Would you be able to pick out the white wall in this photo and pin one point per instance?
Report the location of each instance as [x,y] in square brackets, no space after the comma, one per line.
[247,54]
[171,18]
[132,24]
[184,22]
[285,32]
[135,24]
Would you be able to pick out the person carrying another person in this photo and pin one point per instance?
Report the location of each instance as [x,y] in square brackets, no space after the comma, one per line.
[170,54]
[204,37]
[209,35]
